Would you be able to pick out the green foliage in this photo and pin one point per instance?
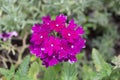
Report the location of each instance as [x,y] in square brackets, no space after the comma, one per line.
[50,74]
[91,14]
[15,14]
[103,68]
[33,71]
[114,75]
[113,5]
[66,71]
[96,18]
[20,74]
[96,70]
[106,43]
[23,69]
[8,73]
[100,69]
[69,72]
[87,72]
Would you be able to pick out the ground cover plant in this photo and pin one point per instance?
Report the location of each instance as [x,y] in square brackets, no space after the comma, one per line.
[88,30]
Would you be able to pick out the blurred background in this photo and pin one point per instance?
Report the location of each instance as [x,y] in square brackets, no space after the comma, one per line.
[100,20]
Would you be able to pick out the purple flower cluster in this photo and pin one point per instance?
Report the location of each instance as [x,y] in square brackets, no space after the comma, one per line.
[8,35]
[54,41]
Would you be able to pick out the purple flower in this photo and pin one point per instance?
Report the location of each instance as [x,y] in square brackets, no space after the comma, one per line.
[53,62]
[54,41]
[8,35]
[72,32]
[39,34]
[51,45]
[46,19]
[64,49]
[69,34]
[59,23]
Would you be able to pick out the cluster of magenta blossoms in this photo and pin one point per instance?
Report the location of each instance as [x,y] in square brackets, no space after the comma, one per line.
[55,41]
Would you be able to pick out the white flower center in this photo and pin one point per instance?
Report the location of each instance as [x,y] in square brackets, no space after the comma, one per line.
[42,49]
[71,62]
[41,36]
[57,25]
[84,46]
[62,48]
[69,34]
[52,45]
[72,46]
[48,23]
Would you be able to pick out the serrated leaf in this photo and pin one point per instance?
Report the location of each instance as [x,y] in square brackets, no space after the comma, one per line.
[69,72]
[97,59]
[12,69]
[3,71]
[88,73]
[33,58]
[33,71]
[103,68]
[19,77]
[8,73]
[23,69]
[50,74]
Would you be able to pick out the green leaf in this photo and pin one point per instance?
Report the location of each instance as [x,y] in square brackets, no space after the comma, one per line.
[69,72]
[3,71]
[80,56]
[87,72]
[33,71]
[8,73]
[19,77]
[23,69]
[50,73]
[115,75]
[103,68]
[98,61]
